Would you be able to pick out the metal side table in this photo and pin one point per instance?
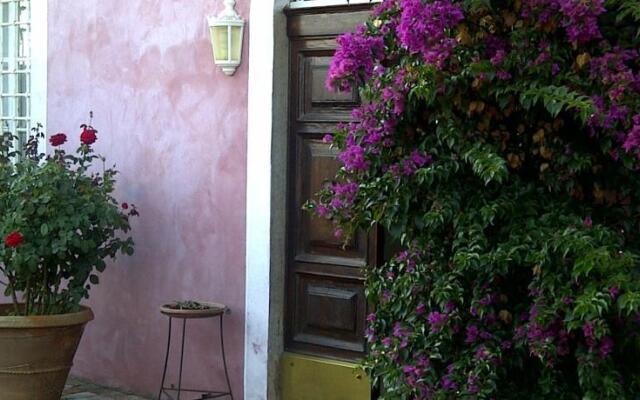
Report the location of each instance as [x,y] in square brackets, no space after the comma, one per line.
[215,310]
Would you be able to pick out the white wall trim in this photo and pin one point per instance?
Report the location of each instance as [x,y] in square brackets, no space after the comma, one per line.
[258,225]
[39,57]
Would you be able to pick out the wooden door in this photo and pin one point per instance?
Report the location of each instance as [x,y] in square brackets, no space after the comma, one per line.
[326,305]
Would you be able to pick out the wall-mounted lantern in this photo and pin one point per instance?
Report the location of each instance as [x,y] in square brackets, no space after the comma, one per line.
[227,30]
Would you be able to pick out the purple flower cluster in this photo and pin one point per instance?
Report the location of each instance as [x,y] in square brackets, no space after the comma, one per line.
[409,258]
[474,334]
[488,299]
[603,346]
[496,49]
[386,296]
[579,18]
[353,158]
[543,56]
[414,373]
[606,347]
[437,321]
[402,334]
[373,129]
[448,380]
[411,164]
[632,141]
[614,292]
[370,331]
[483,354]
[548,342]
[423,29]
[344,194]
[399,331]
[354,60]
[614,71]
[383,7]
[472,384]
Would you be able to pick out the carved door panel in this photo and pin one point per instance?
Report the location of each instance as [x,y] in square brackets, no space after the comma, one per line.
[325,302]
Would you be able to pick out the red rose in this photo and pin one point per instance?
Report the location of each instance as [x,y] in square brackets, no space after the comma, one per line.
[58,139]
[88,136]
[125,206]
[14,239]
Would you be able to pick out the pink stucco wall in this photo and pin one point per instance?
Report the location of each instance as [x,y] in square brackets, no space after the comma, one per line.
[176,128]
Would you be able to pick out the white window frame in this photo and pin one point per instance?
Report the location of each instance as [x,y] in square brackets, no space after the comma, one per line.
[35,56]
[39,57]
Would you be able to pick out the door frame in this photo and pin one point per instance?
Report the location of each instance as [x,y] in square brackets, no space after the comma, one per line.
[266,198]
[266,203]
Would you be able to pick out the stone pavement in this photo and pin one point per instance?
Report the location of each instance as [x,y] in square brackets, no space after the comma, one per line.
[77,389]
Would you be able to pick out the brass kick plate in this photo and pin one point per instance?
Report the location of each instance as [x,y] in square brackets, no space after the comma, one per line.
[314,378]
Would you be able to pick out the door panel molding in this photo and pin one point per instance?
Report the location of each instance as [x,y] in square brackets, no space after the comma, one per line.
[325,21]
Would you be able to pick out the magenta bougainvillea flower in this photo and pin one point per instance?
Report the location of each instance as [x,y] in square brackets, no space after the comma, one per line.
[354,61]
[498,148]
[425,28]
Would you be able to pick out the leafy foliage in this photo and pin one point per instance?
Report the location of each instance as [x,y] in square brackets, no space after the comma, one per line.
[64,222]
[498,147]
[189,305]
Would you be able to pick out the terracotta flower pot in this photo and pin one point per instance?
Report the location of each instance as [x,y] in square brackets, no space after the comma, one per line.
[36,353]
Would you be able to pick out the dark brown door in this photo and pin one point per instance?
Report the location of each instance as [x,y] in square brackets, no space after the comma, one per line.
[325,301]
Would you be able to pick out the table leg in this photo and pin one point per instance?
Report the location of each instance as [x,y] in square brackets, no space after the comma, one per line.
[166,361]
[184,328]
[224,358]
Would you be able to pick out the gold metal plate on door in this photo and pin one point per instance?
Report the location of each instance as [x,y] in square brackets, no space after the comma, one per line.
[315,378]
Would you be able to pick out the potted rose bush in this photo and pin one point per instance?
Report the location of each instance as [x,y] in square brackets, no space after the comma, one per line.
[498,145]
[60,222]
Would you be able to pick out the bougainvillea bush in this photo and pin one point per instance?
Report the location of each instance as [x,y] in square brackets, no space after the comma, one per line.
[59,221]
[498,145]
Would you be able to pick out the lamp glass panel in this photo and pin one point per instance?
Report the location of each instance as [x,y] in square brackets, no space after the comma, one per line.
[236,43]
[220,39]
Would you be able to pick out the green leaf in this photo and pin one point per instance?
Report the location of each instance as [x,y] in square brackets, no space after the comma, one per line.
[557,99]
[101,265]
